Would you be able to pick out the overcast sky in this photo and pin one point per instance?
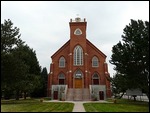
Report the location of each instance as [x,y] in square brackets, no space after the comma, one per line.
[44,25]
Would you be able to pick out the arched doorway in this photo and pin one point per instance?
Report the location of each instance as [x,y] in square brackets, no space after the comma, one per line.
[78,79]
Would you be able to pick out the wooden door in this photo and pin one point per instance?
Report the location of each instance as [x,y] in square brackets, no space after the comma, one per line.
[55,95]
[101,95]
[78,83]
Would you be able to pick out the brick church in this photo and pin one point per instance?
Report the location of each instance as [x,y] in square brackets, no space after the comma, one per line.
[78,70]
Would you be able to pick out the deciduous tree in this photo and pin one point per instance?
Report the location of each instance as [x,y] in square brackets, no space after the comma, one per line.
[131,55]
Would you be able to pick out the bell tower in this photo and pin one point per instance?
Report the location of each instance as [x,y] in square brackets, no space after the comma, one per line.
[77,27]
[77,32]
[77,40]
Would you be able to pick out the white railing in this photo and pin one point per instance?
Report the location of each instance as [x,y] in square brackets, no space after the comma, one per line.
[94,89]
[66,88]
[60,89]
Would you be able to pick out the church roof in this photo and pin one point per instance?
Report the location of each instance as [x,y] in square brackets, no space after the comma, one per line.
[61,48]
[95,48]
[87,42]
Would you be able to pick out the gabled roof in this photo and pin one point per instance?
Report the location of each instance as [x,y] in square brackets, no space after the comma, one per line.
[95,48]
[61,48]
[87,42]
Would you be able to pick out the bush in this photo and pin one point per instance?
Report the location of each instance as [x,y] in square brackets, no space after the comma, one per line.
[115,101]
[47,98]
[94,97]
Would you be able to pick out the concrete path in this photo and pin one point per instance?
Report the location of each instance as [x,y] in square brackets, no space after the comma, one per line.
[78,107]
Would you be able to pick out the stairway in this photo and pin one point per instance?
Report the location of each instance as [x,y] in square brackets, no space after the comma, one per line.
[70,94]
[86,94]
[78,94]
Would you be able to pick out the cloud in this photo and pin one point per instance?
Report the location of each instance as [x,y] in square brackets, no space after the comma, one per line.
[44,25]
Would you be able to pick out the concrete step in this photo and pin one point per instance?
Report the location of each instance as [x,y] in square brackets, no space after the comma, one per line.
[86,94]
[70,94]
[78,94]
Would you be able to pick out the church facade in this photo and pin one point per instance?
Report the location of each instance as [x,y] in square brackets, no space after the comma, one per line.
[78,70]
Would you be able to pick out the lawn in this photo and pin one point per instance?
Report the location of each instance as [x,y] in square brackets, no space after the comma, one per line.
[122,105]
[32,105]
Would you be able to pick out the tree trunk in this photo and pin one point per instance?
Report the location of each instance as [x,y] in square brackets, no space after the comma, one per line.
[134,97]
[147,94]
[17,95]
[25,95]
[121,95]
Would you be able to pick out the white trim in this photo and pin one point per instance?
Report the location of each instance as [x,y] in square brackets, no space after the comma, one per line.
[95,62]
[62,62]
[78,56]
[77,32]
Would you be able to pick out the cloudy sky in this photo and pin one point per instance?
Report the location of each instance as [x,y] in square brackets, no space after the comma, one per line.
[44,25]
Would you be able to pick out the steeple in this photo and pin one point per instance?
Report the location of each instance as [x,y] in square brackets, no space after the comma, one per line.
[77,27]
[77,33]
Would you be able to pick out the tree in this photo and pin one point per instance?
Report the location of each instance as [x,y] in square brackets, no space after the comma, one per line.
[119,85]
[44,75]
[31,79]
[20,70]
[131,56]
[13,71]
[10,39]
[42,89]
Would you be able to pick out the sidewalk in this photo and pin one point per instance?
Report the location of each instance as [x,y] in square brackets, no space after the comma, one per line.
[78,107]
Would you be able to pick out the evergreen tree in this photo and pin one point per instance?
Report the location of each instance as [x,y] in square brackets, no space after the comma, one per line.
[30,80]
[44,75]
[10,39]
[20,70]
[41,91]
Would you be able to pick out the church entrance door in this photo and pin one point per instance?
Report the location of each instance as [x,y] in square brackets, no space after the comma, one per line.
[78,79]
[78,82]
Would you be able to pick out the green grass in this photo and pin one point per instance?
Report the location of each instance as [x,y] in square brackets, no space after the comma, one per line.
[122,105]
[32,105]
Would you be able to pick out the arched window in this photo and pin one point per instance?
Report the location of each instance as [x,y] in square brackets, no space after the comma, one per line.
[61,78]
[95,62]
[78,56]
[95,79]
[62,62]
[77,32]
